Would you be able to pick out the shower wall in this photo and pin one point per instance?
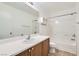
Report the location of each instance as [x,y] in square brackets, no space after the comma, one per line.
[62,29]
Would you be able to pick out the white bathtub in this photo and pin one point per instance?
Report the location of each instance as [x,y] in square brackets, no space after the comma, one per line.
[64,46]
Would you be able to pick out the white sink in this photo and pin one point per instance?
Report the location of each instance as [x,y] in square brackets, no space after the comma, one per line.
[32,39]
[29,41]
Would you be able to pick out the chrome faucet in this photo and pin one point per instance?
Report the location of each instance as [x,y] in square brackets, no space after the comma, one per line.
[29,37]
[73,37]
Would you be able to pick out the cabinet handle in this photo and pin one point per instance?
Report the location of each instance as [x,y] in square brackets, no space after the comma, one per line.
[32,48]
[29,50]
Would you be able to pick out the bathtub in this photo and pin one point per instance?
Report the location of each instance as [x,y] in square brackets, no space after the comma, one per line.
[64,46]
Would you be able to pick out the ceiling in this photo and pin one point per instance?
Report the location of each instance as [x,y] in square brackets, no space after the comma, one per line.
[46,8]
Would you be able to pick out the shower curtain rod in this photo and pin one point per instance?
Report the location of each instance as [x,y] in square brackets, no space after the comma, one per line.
[63,15]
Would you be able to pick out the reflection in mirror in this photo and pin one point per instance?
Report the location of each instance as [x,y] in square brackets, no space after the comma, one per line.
[16,19]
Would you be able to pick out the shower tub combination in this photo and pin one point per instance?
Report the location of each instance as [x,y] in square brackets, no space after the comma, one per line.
[63,33]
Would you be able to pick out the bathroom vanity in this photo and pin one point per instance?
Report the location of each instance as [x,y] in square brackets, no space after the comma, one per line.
[40,49]
[38,45]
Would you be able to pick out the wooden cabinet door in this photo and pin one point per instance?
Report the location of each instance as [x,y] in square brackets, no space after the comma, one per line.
[36,50]
[27,52]
[24,53]
[45,47]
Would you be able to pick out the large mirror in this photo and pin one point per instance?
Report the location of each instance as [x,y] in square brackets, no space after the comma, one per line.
[17,19]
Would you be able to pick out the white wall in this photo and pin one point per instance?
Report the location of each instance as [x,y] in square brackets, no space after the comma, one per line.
[15,20]
[46,29]
[43,29]
[61,20]
[77,28]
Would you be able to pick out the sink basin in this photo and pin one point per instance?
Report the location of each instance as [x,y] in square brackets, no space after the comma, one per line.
[32,39]
[29,41]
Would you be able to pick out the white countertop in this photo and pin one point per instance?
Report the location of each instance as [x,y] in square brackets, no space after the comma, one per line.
[16,45]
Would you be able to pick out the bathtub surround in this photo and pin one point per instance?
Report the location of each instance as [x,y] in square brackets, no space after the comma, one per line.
[62,32]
